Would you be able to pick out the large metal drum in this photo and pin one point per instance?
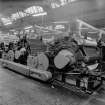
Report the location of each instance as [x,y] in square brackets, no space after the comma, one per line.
[43,61]
[40,61]
[63,58]
[32,61]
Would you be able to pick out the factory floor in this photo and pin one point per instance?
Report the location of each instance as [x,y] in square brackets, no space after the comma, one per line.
[16,89]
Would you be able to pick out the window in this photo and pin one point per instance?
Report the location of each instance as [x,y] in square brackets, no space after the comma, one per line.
[15,16]
[40,9]
[6,21]
[22,14]
[63,2]
[58,3]
[34,10]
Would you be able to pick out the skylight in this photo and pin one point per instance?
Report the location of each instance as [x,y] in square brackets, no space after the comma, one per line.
[59,3]
[31,11]
[6,21]
[28,27]
[40,14]
[59,27]
[34,10]
[18,15]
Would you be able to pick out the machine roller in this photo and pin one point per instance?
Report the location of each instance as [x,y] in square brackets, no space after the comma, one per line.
[63,58]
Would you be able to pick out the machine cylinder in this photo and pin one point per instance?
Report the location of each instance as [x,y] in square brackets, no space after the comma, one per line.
[63,58]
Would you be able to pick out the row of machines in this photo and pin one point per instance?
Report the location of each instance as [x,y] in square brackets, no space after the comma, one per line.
[16,52]
[70,62]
